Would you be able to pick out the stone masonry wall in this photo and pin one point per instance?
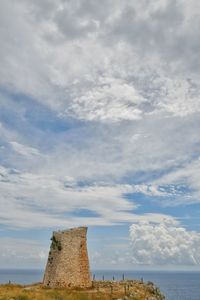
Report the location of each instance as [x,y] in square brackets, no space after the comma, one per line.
[68,264]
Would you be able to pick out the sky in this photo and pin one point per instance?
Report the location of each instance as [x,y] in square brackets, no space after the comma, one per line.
[99,127]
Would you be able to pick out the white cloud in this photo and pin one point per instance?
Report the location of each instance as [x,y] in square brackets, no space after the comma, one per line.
[164,244]
[55,201]
[24,150]
[62,55]
[186,175]
[110,99]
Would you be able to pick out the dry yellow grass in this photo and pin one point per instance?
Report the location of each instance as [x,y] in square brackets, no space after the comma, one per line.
[38,292]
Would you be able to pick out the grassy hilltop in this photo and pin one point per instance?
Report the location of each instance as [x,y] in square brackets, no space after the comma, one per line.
[107,290]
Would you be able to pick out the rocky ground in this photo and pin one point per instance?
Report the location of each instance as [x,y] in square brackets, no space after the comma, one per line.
[129,289]
[101,290]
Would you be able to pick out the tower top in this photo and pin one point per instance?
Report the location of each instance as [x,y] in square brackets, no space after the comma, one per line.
[74,229]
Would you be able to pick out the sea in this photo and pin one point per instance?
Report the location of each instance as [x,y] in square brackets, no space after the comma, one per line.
[175,285]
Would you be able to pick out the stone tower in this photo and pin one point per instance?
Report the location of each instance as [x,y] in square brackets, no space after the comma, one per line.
[68,264]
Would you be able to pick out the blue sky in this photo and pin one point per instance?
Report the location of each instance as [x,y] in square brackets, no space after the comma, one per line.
[99,126]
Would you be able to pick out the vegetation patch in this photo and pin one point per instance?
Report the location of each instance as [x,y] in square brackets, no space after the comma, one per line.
[56,244]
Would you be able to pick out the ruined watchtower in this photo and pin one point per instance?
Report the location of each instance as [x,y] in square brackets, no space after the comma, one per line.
[68,264]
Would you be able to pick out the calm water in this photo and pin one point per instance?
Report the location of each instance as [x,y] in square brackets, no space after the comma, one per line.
[175,285]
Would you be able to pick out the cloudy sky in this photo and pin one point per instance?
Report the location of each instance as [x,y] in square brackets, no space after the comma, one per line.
[99,126]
